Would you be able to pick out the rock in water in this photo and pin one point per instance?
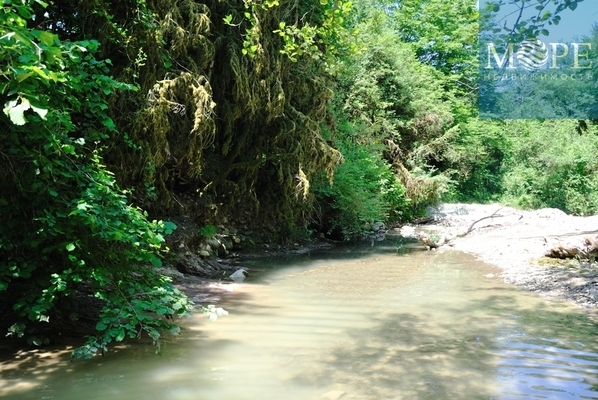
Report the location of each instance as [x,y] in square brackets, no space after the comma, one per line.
[239,275]
[432,240]
[407,231]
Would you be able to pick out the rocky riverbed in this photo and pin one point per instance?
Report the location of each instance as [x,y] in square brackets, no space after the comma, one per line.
[517,242]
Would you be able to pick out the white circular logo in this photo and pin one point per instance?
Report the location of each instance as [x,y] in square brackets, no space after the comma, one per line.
[532,54]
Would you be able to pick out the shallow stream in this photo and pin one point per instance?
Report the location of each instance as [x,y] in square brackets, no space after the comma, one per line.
[347,323]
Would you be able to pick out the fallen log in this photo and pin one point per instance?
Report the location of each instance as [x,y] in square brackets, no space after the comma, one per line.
[587,248]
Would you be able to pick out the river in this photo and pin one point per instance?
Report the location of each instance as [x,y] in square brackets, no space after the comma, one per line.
[381,322]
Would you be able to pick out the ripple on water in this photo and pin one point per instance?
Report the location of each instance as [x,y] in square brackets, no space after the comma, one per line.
[547,371]
[364,326]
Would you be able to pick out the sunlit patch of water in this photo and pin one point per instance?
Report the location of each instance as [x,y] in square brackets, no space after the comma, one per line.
[352,323]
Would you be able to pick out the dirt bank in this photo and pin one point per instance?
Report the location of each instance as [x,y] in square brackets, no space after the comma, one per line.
[516,241]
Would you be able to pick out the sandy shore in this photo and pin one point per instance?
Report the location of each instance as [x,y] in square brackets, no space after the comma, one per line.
[516,241]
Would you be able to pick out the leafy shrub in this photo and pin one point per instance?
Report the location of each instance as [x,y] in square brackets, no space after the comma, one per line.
[392,106]
[475,160]
[552,165]
[67,224]
[364,190]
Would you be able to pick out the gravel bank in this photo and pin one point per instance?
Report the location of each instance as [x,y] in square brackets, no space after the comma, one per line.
[516,241]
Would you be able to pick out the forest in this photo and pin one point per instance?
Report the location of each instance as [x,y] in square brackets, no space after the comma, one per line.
[302,117]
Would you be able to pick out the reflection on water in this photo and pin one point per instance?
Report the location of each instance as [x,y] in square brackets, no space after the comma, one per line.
[349,324]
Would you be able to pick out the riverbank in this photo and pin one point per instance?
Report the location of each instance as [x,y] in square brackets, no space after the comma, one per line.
[517,241]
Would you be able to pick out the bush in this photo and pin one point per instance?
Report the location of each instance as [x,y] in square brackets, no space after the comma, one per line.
[552,165]
[475,160]
[66,223]
[364,190]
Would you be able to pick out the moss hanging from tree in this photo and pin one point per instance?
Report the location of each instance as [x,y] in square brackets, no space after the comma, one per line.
[209,123]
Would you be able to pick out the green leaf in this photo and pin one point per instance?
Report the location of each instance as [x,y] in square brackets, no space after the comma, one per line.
[46,37]
[156,262]
[68,148]
[109,123]
[16,111]
[164,311]
[70,247]
[24,12]
[169,227]
[22,76]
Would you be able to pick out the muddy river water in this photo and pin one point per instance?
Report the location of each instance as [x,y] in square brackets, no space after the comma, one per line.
[348,323]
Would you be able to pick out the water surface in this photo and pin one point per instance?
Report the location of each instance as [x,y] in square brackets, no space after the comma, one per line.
[351,323]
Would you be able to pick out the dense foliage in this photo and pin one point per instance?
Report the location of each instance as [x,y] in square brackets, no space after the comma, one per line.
[327,115]
[101,95]
[66,221]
